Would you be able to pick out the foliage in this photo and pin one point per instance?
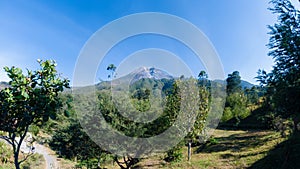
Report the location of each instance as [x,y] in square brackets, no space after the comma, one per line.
[112,68]
[252,95]
[5,152]
[233,83]
[236,106]
[175,154]
[283,82]
[236,101]
[30,99]
[72,142]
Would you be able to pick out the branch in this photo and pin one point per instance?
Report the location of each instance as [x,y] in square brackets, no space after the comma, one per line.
[26,157]
[6,139]
[119,163]
[22,136]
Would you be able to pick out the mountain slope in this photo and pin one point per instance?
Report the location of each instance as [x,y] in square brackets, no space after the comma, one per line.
[244,83]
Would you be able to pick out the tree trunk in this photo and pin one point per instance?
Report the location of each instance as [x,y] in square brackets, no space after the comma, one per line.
[16,161]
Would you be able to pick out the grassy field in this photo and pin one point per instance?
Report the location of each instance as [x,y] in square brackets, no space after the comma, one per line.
[229,149]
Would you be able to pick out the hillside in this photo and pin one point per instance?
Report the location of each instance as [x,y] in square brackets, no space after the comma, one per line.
[244,84]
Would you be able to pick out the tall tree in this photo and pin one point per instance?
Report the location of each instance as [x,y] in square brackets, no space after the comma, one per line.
[31,99]
[233,83]
[112,68]
[236,101]
[202,75]
[283,82]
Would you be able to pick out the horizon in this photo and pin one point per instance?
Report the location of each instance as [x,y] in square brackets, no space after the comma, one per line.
[143,67]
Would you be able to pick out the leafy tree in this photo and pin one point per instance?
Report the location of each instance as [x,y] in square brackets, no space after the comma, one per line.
[31,99]
[112,68]
[233,83]
[252,95]
[72,142]
[283,82]
[236,101]
[236,107]
[202,75]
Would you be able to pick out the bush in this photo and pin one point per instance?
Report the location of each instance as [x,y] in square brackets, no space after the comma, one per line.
[174,154]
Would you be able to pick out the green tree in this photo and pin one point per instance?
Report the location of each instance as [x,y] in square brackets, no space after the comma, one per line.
[202,75]
[31,99]
[252,95]
[233,83]
[112,68]
[236,101]
[72,142]
[283,82]
[236,107]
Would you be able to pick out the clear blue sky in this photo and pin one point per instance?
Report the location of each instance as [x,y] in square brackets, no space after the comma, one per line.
[59,29]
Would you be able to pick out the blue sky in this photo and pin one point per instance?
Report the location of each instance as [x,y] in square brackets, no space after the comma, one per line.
[59,29]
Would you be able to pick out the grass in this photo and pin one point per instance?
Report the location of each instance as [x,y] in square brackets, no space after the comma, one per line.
[230,149]
[285,155]
[35,161]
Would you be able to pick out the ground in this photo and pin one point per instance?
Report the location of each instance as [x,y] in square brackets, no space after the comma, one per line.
[228,149]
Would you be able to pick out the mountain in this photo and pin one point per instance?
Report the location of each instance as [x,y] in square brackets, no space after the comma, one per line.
[149,73]
[142,73]
[154,74]
[244,83]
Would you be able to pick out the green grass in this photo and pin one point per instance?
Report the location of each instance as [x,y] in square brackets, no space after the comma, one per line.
[230,149]
[36,161]
[284,155]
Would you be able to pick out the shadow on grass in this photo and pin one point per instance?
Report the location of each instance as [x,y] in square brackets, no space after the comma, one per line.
[285,155]
[237,142]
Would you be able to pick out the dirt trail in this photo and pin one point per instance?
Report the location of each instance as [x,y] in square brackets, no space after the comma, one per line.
[49,155]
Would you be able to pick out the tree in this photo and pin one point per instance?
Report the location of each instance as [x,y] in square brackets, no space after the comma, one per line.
[30,99]
[236,107]
[202,75]
[283,82]
[236,101]
[233,83]
[72,142]
[252,95]
[112,68]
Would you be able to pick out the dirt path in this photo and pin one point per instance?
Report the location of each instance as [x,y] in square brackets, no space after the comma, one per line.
[49,155]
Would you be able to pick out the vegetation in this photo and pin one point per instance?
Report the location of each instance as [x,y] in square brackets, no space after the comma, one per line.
[29,100]
[236,101]
[283,82]
[35,102]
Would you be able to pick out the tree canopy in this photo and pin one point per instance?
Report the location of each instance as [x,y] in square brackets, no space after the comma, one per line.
[31,99]
[283,82]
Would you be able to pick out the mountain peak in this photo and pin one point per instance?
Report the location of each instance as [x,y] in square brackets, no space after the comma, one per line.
[150,73]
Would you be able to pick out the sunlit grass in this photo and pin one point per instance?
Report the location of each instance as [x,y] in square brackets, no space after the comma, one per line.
[233,149]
